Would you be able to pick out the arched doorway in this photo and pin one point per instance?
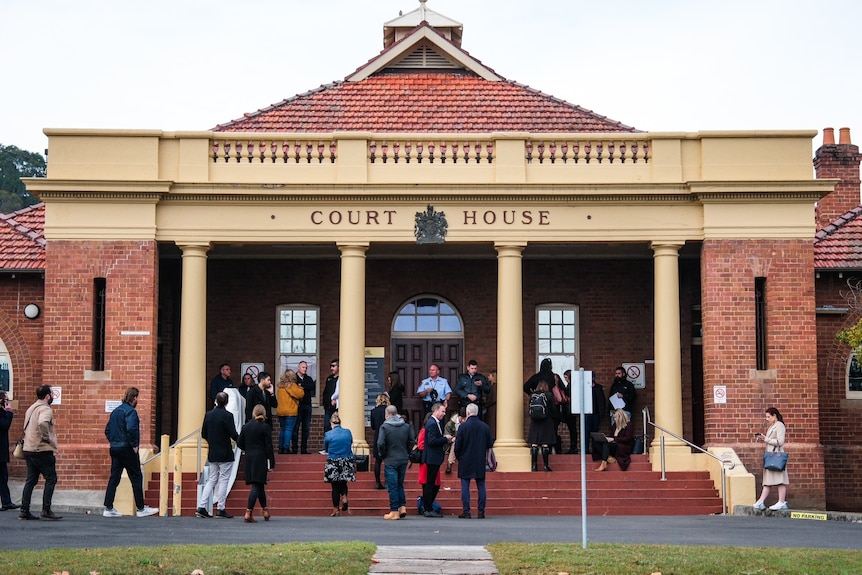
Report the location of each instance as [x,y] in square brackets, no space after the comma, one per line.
[427,329]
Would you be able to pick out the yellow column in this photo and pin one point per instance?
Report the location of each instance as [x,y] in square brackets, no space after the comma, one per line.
[351,347]
[668,368]
[193,329]
[510,447]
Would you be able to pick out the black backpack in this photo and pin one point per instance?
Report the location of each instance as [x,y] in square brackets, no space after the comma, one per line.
[538,406]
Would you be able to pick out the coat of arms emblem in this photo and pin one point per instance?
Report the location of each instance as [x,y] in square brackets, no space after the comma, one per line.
[431,227]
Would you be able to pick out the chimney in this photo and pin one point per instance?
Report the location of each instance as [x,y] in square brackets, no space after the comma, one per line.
[839,161]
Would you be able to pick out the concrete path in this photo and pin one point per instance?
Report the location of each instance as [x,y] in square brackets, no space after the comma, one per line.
[427,560]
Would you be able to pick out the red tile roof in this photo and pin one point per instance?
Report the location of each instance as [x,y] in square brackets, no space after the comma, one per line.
[434,101]
[22,239]
[839,245]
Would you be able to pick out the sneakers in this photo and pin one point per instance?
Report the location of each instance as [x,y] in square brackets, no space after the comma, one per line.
[435,514]
[146,511]
[222,514]
[202,513]
[111,513]
[779,506]
[759,506]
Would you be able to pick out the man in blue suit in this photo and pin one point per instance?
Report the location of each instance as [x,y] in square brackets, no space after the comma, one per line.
[471,448]
[433,455]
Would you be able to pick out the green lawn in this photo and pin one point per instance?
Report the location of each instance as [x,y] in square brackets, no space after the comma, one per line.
[351,558]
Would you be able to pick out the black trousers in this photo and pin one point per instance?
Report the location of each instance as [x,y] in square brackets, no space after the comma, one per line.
[39,463]
[430,488]
[125,458]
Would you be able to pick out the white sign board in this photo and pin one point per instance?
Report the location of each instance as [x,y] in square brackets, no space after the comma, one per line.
[112,404]
[635,373]
[57,394]
[254,369]
[719,393]
[585,389]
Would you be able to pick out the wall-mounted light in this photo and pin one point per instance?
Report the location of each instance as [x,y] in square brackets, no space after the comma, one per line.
[32,311]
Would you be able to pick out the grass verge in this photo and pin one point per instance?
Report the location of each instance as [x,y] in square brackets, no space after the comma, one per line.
[603,558]
[354,558]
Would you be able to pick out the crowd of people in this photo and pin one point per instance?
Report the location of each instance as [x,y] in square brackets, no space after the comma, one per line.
[241,422]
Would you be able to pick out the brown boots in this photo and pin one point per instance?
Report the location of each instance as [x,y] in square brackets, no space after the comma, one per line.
[249,518]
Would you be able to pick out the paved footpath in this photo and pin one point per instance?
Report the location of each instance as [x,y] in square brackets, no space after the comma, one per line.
[427,560]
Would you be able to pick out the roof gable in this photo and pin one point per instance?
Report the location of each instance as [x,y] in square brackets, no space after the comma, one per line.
[22,239]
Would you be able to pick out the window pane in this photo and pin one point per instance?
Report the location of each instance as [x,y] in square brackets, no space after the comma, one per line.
[569,346]
[544,331]
[544,316]
[311,331]
[311,316]
[426,323]
[556,331]
[569,316]
[556,316]
[405,323]
[556,346]
[410,309]
[569,331]
[311,346]
[285,346]
[286,316]
[427,306]
[450,323]
[854,376]
[544,346]
[446,309]
[284,331]
[298,346]
[298,331]
[298,316]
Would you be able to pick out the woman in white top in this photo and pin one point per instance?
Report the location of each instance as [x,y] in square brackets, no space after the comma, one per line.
[774,440]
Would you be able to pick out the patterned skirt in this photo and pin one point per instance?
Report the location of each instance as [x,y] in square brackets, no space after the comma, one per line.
[341,469]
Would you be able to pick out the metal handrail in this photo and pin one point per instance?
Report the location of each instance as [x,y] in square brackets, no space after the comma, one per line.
[163,476]
[725,463]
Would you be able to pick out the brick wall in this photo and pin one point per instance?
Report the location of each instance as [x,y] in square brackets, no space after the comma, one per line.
[132,279]
[837,161]
[728,269]
[23,340]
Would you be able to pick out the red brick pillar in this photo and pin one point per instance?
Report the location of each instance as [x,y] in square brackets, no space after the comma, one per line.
[130,270]
[729,269]
[839,161]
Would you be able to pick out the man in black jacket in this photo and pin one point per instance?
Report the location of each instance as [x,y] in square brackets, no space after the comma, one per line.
[261,394]
[624,390]
[432,456]
[304,416]
[219,431]
[472,387]
[328,389]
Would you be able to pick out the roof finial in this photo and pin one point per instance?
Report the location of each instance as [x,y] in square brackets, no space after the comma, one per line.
[422,9]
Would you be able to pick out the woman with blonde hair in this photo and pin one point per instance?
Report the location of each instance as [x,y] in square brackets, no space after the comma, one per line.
[288,393]
[256,440]
[620,445]
[340,466]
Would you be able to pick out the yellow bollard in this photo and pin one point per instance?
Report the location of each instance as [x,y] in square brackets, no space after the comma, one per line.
[178,481]
[163,475]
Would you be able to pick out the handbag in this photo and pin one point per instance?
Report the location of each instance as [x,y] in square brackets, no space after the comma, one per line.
[415,455]
[775,460]
[19,449]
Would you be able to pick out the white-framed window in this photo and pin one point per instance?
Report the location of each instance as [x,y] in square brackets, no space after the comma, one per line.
[5,370]
[298,339]
[854,378]
[428,315]
[557,336]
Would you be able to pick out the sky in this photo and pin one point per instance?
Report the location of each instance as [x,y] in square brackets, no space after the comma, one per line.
[657,65]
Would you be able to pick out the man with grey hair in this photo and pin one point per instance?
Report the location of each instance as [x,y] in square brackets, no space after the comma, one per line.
[394,442]
[471,448]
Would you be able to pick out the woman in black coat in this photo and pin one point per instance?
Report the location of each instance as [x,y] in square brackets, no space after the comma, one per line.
[255,440]
[396,391]
[542,432]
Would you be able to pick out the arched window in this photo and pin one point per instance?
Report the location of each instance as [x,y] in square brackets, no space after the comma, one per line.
[427,315]
[854,378]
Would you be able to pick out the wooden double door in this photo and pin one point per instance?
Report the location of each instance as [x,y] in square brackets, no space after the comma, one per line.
[411,358]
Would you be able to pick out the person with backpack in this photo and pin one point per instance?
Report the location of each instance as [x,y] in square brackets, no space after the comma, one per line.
[542,432]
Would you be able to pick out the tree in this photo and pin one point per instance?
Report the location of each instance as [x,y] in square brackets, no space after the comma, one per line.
[852,335]
[14,165]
